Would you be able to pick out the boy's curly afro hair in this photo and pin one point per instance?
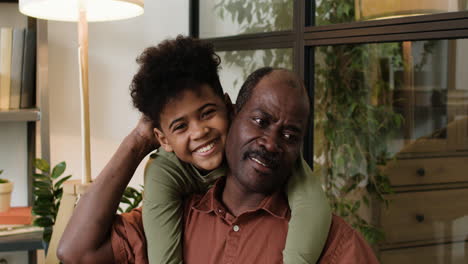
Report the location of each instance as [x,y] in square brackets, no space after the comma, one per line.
[170,68]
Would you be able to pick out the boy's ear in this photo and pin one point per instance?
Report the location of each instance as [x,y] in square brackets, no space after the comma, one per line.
[162,140]
[230,107]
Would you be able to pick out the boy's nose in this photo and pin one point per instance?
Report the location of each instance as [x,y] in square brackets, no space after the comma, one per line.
[199,131]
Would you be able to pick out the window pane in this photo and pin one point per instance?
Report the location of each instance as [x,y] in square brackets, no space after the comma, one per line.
[233,17]
[342,11]
[391,121]
[237,65]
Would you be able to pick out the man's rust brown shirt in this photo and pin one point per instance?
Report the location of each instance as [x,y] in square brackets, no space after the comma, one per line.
[212,235]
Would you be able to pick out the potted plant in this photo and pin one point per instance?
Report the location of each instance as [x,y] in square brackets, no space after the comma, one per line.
[6,187]
[47,194]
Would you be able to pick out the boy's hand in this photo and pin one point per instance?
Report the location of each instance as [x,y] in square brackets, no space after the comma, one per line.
[144,135]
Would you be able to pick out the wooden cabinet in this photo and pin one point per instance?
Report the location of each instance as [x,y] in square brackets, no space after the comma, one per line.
[427,217]
[427,171]
[433,216]
[454,253]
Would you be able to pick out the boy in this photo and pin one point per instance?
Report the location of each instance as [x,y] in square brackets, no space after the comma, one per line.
[178,88]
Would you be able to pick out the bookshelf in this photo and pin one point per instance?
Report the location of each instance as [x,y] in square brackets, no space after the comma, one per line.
[20,115]
[31,128]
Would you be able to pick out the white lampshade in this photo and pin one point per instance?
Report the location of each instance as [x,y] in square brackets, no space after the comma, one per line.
[67,10]
[380,9]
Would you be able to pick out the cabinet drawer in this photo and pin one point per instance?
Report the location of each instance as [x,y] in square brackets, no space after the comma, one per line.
[14,257]
[427,171]
[456,253]
[426,216]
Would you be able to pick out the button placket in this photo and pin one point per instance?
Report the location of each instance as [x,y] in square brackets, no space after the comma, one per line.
[232,242]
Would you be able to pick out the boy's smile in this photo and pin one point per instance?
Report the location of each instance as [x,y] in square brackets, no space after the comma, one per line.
[194,126]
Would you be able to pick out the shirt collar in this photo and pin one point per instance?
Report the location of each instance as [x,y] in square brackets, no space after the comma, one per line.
[275,204]
[209,177]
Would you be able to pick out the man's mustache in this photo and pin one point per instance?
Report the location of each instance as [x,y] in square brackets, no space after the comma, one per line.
[271,159]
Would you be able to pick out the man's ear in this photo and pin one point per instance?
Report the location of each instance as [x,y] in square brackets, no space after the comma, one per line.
[162,140]
[230,107]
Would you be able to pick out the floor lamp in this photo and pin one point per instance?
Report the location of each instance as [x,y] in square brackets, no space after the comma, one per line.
[81,11]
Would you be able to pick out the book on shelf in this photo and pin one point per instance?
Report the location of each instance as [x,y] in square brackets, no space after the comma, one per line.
[28,77]
[16,216]
[6,38]
[16,67]
[17,220]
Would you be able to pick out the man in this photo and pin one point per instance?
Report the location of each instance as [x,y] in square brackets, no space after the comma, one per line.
[244,217]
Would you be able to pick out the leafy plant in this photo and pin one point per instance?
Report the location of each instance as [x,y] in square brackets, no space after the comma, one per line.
[254,17]
[132,198]
[47,194]
[3,180]
[354,120]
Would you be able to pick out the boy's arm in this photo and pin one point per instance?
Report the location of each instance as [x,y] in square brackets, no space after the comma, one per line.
[163,212]
[86,238]
[310,217]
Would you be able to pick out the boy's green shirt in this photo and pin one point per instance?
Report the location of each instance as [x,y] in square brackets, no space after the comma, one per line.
[168,181]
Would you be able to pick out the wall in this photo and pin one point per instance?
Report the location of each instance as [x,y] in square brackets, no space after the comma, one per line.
[113,48]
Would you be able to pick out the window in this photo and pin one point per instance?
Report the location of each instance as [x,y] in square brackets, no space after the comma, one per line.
[390,88]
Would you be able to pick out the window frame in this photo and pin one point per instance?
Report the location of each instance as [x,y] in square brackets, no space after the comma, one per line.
[304,37]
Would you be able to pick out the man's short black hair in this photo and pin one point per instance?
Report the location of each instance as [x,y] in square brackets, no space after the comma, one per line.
[252,80]
[170,68]
[255,77]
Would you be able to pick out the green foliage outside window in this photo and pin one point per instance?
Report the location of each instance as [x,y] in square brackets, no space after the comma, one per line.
[255,17]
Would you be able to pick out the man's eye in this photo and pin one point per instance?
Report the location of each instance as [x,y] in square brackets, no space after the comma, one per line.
[259,121]
[208,113]
[289,137]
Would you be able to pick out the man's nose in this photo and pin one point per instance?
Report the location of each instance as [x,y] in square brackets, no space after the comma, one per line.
[271,142]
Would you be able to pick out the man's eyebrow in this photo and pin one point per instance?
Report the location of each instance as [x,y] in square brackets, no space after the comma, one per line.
[293,128]
[263,113]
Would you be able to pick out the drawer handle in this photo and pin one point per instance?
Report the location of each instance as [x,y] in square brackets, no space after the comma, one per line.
[420,218]
[421,172]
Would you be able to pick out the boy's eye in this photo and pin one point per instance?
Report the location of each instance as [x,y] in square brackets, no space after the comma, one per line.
[208,113]
[179,127]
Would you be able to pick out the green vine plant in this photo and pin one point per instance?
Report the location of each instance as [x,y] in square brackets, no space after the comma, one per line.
[354,118]
[48,193]
[354,121]
[253,17]
[131,199]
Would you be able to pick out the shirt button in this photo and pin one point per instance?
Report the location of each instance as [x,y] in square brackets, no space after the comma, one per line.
[220,211]
[236,228]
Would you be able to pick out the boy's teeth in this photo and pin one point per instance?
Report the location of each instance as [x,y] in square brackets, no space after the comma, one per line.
[206,148]
[259,162]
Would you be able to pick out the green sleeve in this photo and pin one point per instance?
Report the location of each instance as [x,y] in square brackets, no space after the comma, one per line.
[310,217]
[167,182]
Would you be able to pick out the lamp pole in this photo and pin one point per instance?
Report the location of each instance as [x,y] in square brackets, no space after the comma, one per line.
[84,92]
